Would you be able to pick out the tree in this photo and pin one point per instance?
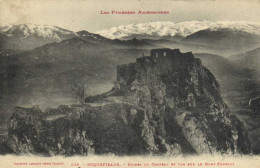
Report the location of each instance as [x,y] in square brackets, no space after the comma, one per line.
[79,90]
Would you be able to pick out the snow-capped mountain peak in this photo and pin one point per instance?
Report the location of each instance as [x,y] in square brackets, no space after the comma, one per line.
[167,28]
[5,26]
[43,31]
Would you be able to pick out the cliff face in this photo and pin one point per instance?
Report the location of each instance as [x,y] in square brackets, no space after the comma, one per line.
[167,103]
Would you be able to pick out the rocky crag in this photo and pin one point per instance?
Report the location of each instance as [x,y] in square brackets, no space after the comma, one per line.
[167,103]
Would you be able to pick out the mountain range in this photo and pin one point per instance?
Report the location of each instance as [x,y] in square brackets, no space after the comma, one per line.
[40,63]
[221,38]
[29,36]
[182,29]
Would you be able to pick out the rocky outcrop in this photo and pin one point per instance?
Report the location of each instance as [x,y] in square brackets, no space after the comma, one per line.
[167,103]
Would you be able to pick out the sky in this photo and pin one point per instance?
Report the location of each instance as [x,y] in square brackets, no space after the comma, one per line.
[85,14]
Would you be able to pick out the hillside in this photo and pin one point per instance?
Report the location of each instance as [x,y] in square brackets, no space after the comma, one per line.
[162,104]
[249,59]
[226,40]
[238,86]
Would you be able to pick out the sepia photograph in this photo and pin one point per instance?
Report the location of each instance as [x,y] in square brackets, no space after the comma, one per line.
[129,83]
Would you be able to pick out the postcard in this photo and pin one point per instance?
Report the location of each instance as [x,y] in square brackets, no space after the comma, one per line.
[140,83]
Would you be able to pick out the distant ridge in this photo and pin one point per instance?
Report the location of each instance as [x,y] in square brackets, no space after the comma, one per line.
[168,28]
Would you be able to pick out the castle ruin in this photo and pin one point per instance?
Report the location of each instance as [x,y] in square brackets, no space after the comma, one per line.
[165,59]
